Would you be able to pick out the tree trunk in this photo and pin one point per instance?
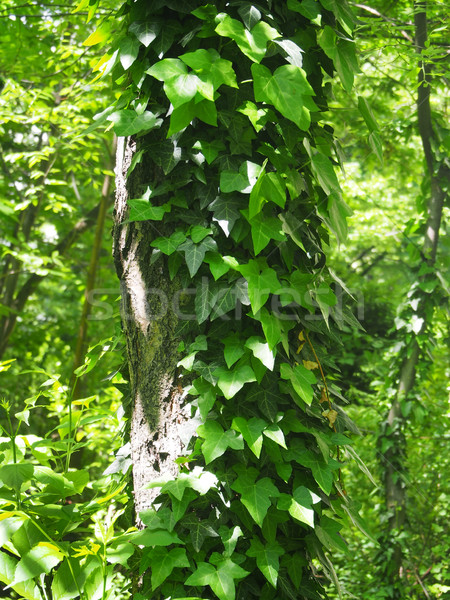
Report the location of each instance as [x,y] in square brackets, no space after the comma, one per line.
[149,323]
[394,457]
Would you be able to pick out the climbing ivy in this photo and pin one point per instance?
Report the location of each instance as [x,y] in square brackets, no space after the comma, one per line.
[228,103]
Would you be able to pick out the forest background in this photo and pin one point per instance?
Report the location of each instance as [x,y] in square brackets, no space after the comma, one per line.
[61,342]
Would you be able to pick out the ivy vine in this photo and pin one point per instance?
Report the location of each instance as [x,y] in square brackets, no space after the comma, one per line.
[229,104]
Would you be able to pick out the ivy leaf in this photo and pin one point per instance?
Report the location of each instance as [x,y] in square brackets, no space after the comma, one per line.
[233,349]
[220,580]
[167,69]
[207,371]
[145,31]
[230,382]
[216,440]
[163,562]
[128,51]
[251,43]
[142,210]
[250,15]
[230,538]
[211,66]
[128,122]
[328,534]
[266,400]
[301,379]
[322,472]
[226,301]
[265,229]
[267,558]
[169,245]
[251,432]
[207,396]
[210,150]
[270,187]
[198,531]
[255,495]
[343,54]
[271,327]
[261,351]
[300,504]
[226,212]
[158,537]
[194,255]
[288,90]
[260,286]
[241,181]
[292,50]
[199,480]
[205,299]
[274,433]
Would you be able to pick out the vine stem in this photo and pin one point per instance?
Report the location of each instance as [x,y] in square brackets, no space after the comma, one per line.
[338,450]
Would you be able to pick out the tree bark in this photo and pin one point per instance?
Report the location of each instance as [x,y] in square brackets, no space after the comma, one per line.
[149,322]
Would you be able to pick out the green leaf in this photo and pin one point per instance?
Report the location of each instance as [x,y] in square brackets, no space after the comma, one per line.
[250,15]
[260,285]
[40,559]
[163,562]
[267,558]
[128,52]
[255,495]
[251,432]
[167,69]
[216,440]
[342,11]
[181,88]
[205,299]
[15,476]
[300,504]
[242,181]
[194,255]
[181,117]
[288,90]
[226,212]
[234,349]
[142,210]
[270,187]
[128,122]
[301,379]
[322,472]
[324,173]
[271,327]
[251,43]
[225,302]
[25,589]
[145,31]
[261,350]
[230,382]
[65,580]
[210,150]
[342,52]
[328,534]
[211,66]
[265,229]
[207,396]
[156,537]
[198,531]
[169,245]
[266,400]
[221,581]
[274,433]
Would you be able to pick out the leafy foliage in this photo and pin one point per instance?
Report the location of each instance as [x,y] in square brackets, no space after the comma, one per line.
[234,105]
